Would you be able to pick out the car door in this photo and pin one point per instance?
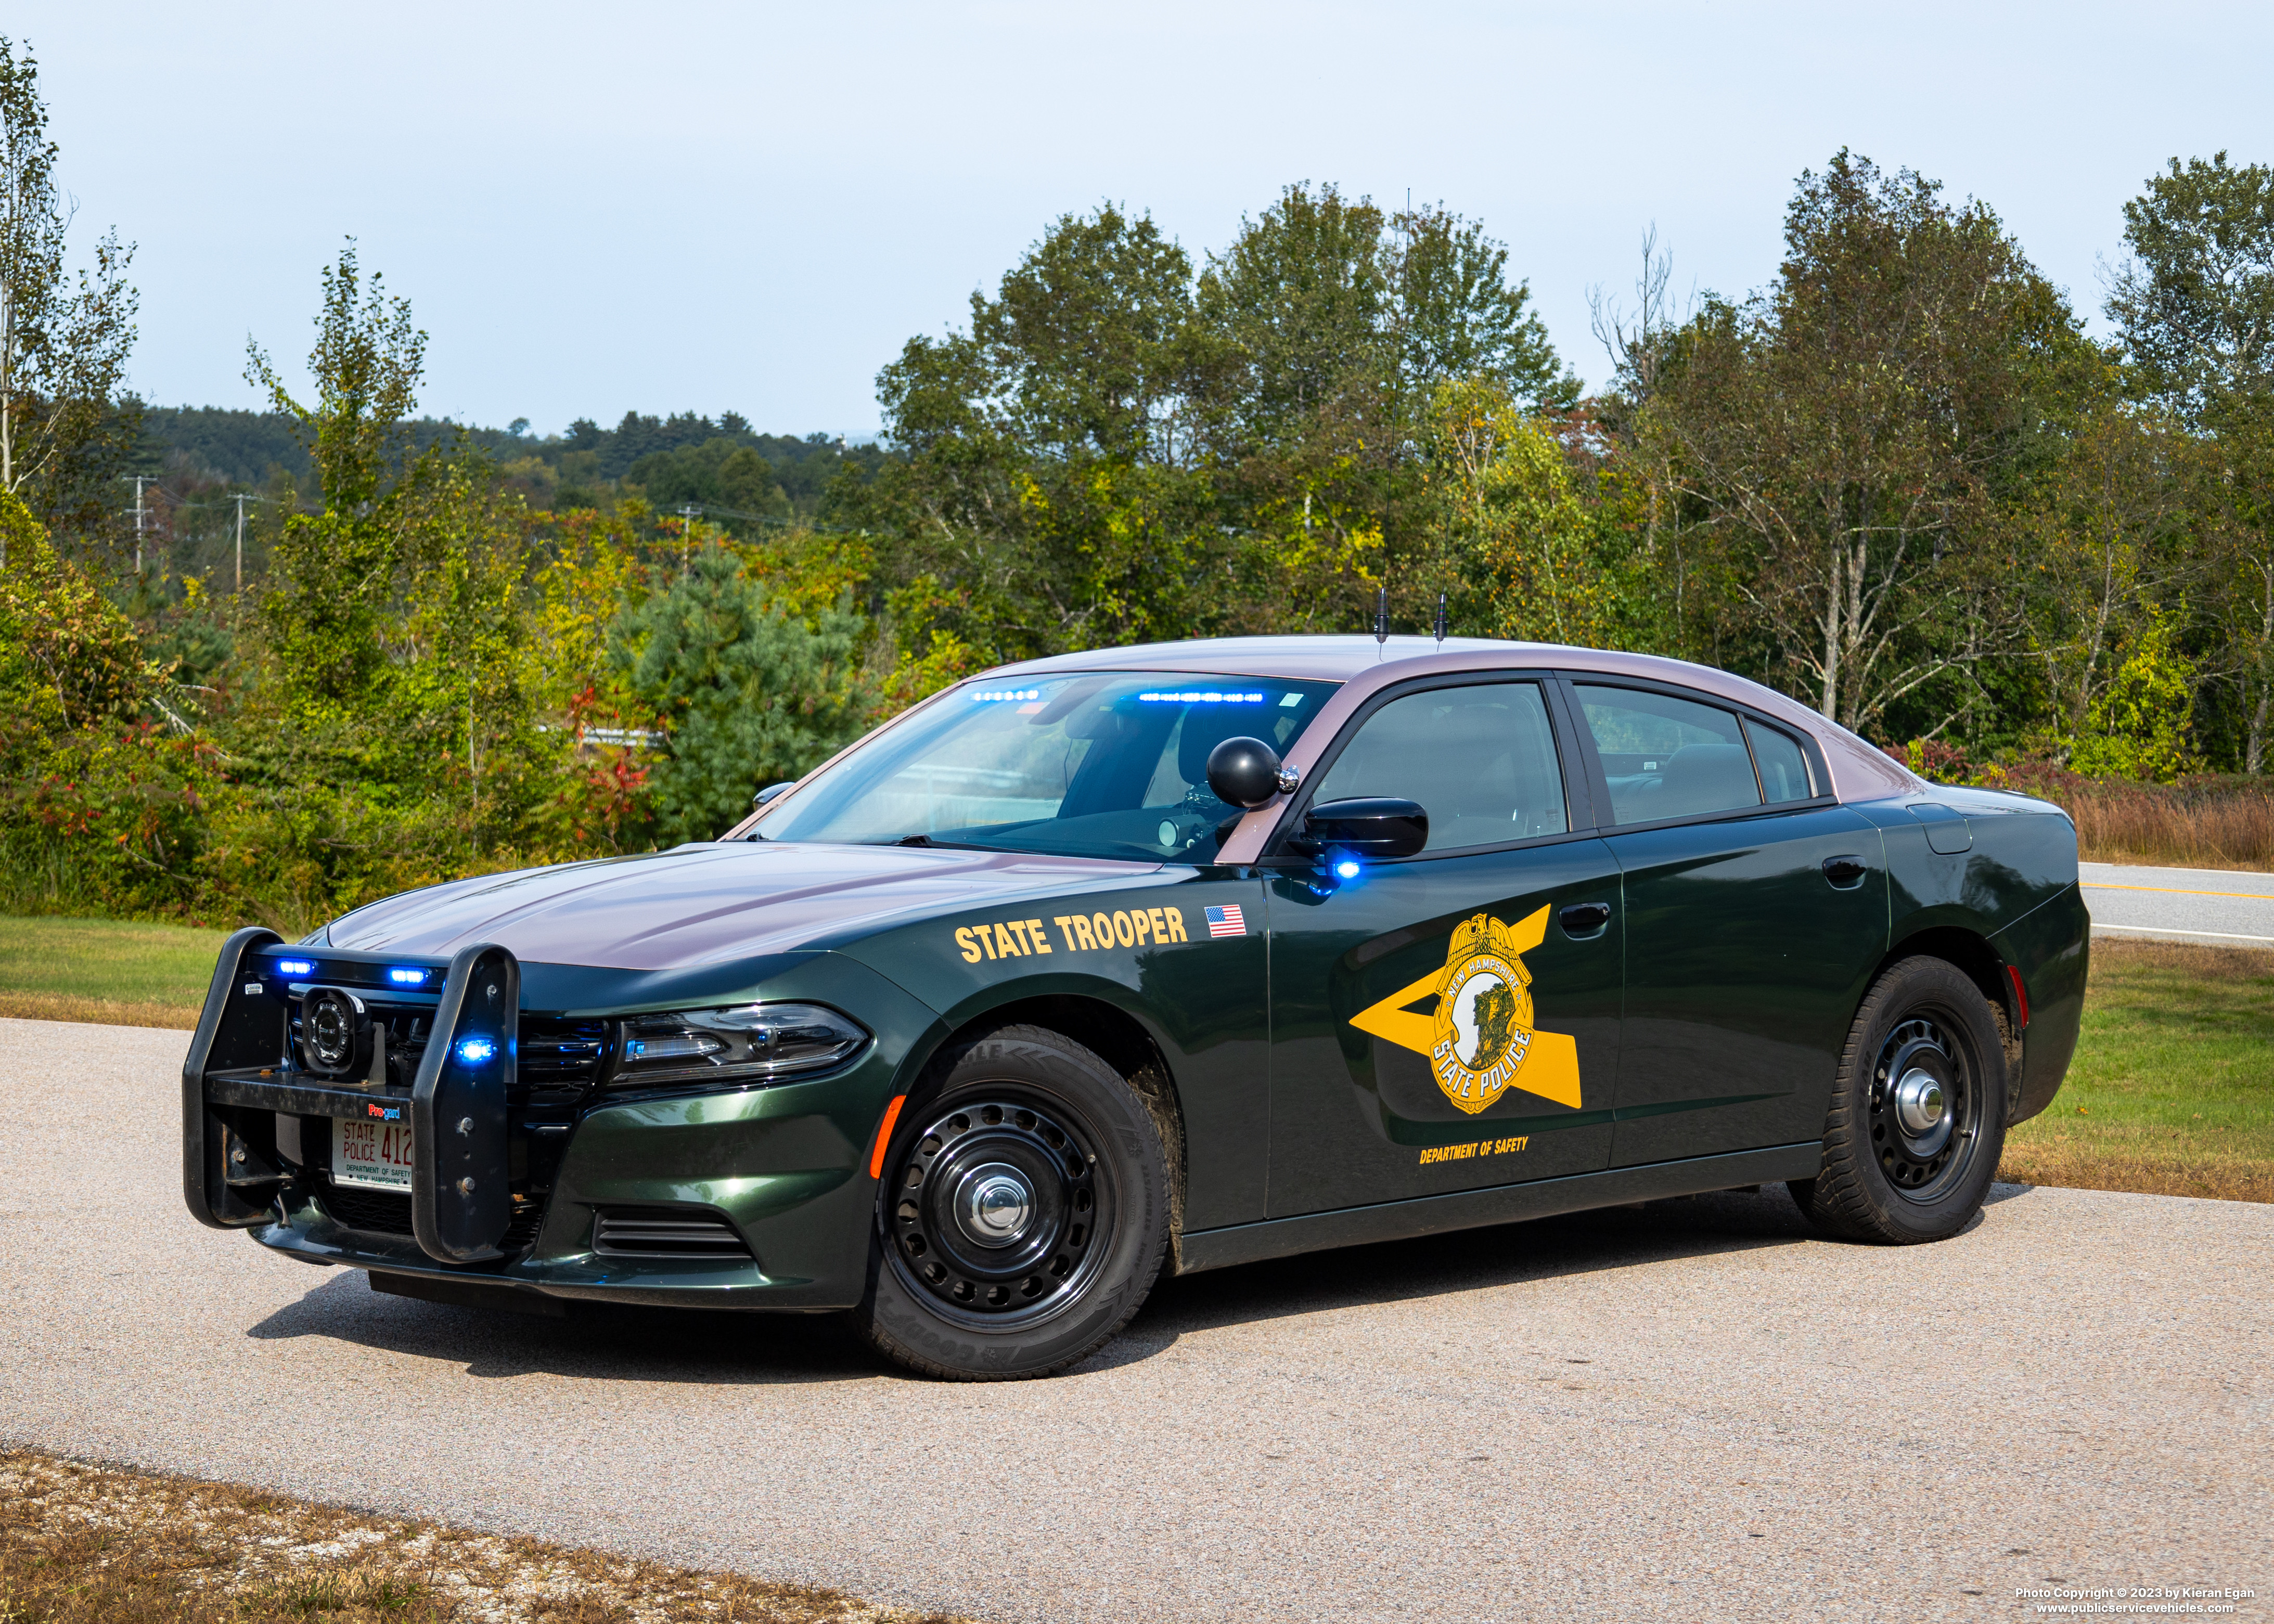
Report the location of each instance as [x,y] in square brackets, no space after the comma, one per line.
[1755,911]
[1449,1021]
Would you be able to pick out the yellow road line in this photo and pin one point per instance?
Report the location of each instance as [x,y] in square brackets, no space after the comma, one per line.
[2174,890]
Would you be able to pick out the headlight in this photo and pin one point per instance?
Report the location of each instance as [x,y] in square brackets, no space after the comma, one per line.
[750,1041]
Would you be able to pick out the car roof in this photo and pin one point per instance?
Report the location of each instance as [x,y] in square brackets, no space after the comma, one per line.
[1363,664]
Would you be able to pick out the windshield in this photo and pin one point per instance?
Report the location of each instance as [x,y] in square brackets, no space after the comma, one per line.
[1095,764]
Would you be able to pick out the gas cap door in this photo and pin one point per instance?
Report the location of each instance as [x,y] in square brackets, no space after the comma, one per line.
[1946,828]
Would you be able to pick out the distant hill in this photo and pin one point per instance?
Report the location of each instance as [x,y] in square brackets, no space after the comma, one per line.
[686,457]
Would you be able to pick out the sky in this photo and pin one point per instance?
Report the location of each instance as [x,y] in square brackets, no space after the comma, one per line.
[595,208]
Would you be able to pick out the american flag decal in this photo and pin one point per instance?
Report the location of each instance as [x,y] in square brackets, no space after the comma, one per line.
[1227,921]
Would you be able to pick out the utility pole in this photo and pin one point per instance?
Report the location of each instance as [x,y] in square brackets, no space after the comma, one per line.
[140,514]
[687,534]
[240,498]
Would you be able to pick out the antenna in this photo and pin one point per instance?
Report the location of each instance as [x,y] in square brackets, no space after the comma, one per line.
[1382,615]
[1440,620]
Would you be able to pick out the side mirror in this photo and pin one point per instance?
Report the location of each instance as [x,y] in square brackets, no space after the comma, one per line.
[771,791]
[1366,826]
[1244,773]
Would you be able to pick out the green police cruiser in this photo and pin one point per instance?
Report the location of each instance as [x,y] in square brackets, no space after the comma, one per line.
[1158,959]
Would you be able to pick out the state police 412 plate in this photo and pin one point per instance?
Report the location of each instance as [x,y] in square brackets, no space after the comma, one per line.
[372,1155]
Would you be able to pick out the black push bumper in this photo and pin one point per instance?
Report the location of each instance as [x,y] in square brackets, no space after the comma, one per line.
[291,1034]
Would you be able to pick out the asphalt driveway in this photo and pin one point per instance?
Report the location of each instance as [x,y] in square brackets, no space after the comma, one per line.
[1690,1410]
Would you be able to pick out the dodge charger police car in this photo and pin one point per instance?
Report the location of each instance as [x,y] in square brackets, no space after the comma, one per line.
[1159,960]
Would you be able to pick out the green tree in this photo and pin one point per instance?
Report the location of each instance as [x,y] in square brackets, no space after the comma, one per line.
[64,340]
[2106,540]
[367,364]
[2139,725]
[721,474]
[1118,450]
[1519,550]
[2195,307]
[1047,496]
[749,693]
[1847,431]
[69,658]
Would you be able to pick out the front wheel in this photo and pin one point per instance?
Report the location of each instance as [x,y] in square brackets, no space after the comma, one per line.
[1023,1215]
[1918,1111]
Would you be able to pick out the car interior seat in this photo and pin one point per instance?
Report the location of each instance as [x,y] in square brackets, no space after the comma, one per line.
[1706,777]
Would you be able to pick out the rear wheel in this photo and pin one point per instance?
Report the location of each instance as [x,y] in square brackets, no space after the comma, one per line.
[1023,1215]
[1918,1110]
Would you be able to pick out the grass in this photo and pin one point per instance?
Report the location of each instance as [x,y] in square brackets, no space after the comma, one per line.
[2172,1092]
[110,972]
[82,1543]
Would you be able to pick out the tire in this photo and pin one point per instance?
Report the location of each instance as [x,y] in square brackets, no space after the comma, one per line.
[1023,1214]
[1895,1171]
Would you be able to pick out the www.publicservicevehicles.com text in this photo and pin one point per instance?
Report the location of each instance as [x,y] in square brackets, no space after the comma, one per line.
[2167,1600]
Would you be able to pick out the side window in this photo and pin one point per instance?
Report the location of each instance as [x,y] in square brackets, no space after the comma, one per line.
[1480,760]
[1784,770]
[1667,758]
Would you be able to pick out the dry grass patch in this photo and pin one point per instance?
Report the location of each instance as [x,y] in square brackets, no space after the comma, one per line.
[2200,823]
[92,1545]
[2172,1092]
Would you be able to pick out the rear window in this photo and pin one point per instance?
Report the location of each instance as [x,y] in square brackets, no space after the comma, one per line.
[1783,766]
[1667,758]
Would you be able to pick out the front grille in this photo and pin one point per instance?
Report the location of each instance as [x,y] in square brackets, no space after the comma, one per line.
[560,1058]
[375,1210]
[382,1214]
[665,1232]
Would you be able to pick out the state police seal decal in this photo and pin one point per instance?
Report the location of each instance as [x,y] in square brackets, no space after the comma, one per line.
[1484,1015]
[1477,1036]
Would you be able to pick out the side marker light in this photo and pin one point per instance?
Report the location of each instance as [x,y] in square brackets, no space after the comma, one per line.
[884,1135]
[2021,995]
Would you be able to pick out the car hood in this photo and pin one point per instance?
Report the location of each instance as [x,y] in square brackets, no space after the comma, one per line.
[707,904]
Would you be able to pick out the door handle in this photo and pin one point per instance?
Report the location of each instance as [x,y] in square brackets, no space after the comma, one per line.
[1583,920]
[1846,872]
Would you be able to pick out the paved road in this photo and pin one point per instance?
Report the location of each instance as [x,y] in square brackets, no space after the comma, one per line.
[2218,908]
[1690,1410]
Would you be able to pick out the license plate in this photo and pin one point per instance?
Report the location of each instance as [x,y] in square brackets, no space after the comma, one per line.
[374,1155]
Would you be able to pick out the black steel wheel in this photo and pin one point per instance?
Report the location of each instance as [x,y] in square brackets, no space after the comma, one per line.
[1023,1213]
[1917,1117]
[1000,1209]
[1925,1108]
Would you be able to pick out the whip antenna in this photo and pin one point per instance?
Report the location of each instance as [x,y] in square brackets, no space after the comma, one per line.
[1440,620]
[1382,615]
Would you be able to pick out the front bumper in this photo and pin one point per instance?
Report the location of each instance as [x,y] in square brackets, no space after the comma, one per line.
[751,1198]
[782,1171]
